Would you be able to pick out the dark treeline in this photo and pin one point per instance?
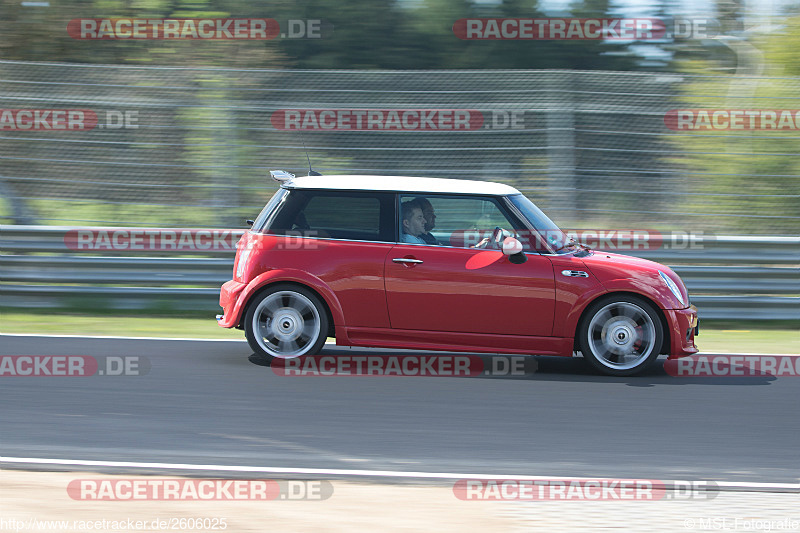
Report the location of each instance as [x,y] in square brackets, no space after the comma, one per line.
[356,34]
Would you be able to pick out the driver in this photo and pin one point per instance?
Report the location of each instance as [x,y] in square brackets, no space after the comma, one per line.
[413,222]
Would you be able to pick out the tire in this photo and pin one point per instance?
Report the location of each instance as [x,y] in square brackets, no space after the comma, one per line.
[286,321]
[621,335]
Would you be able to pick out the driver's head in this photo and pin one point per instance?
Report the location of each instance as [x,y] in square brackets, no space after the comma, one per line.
[427,212]
[412,218]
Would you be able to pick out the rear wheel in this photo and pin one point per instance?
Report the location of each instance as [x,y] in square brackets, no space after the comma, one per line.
[286,321]
[621,335]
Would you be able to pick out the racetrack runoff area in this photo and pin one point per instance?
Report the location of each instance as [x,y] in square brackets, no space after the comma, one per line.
[39,501]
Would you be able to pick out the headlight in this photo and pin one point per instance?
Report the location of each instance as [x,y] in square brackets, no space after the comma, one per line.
[672,287]
[243,257]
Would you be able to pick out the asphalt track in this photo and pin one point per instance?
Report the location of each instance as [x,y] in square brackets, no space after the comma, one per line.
[214,403]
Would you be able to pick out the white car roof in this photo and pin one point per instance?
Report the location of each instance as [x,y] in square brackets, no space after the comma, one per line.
[399,183]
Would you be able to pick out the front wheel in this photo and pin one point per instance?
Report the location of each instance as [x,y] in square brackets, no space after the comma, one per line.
[621,336]
[286,321]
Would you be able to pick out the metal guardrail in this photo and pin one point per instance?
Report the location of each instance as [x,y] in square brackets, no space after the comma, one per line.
[728,277]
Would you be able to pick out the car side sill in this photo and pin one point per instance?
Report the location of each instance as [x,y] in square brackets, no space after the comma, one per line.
[455,341]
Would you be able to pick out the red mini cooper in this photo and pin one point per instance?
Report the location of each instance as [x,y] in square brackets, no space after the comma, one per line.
[443,264]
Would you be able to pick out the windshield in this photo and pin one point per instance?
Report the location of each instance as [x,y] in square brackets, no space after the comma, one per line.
[557,239]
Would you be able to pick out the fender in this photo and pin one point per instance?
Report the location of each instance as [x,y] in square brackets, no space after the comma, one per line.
[652,289]
[622,273]
[573,294]
[290,275]
[566,326]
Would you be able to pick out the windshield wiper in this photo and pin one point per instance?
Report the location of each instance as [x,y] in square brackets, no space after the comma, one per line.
[585,250]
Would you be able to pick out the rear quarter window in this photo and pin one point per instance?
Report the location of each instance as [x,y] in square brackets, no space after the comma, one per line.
[336,215]
[344,213]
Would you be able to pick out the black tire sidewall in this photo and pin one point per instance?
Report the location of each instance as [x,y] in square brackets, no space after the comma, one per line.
[583,335]
[252,305]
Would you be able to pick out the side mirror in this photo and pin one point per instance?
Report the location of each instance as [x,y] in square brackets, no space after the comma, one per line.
[513,249]
[511,246]
[250,222]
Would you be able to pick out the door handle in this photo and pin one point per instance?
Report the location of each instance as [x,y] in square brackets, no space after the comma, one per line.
[406,260]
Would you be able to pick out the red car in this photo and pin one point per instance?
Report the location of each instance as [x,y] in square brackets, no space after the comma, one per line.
[443,264]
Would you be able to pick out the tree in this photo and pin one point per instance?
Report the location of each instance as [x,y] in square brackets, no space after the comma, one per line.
[752,174]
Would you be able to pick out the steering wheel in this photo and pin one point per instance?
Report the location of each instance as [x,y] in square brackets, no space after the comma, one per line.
[496,240]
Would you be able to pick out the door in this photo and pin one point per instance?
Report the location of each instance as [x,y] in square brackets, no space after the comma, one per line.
[453,287]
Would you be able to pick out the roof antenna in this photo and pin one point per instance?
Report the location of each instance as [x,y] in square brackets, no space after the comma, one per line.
[310,172]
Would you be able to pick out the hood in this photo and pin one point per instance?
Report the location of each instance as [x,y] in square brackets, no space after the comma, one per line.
[623,272]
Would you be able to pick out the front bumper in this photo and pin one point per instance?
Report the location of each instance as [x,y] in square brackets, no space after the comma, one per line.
[683,326]
[231,302]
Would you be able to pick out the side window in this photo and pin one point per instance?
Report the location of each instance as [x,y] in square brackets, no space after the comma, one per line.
[460,221]
[335,215]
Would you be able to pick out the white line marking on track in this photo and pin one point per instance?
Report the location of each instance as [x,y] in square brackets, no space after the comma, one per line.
[732,485]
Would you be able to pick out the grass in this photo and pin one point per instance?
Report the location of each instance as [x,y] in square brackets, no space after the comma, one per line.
[715,336]
[746,338]
[112,324]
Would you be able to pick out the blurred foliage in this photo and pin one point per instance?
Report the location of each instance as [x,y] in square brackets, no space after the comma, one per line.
[366,34]
[210,140]
[782,49]
[761,164]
